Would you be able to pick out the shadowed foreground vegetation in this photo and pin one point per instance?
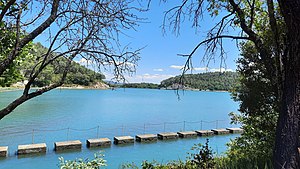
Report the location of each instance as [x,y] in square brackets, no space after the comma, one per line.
[202,157]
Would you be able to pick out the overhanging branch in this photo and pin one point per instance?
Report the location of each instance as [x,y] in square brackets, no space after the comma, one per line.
[5,9]
[212,39]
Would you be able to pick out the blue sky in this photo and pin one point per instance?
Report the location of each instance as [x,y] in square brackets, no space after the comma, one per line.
[159,59]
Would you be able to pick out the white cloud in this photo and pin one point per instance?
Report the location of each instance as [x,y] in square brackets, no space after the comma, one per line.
[203,69]
[158,70]
[220,70]
[147,77]
[84,61]
[176,67]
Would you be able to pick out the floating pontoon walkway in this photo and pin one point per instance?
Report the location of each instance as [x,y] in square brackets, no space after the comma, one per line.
[119,140]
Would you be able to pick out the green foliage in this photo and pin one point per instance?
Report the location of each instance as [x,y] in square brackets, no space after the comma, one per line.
[7,41]
[257,95]
[204,81]
[258,111]
[219,163]
[77,74]
[204,158]
[82,76]
[96,163]
[156,165]
[140,85]
[228,163]
[10,76]
[21,69]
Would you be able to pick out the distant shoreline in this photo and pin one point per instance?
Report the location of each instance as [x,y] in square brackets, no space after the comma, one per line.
[10,89]
[79,87]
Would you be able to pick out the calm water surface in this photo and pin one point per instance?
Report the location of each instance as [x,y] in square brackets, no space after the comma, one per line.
[62,115]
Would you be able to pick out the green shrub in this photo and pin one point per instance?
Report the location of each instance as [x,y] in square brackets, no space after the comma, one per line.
[204,158]
[96,163]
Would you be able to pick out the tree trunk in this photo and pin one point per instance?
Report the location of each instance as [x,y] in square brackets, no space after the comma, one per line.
[286,153]
[287,135]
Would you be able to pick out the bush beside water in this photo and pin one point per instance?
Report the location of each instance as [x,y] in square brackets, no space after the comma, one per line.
[201,158]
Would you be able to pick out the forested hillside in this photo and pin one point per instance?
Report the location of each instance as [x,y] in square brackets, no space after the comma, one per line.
[203,81]
[20,71]
[140,85]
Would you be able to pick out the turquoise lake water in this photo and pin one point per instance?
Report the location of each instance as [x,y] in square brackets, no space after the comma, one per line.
[62,115]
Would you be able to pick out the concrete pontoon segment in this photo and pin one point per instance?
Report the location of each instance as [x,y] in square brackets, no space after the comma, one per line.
[32,149]
[187,134]
[235,130]
[4,151]
[123,140]
[67,145]
[204,132]
[167,136]
[220,131]
[146,138]
[100,142]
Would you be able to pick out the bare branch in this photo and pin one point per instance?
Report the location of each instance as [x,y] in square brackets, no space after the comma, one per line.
[212,39]
[177,13]
[43,26]
[5,9]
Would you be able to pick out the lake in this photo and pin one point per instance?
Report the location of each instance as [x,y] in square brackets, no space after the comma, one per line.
[66,114]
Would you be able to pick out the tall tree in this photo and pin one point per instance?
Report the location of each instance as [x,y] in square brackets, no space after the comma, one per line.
[84,29]
[278,55]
